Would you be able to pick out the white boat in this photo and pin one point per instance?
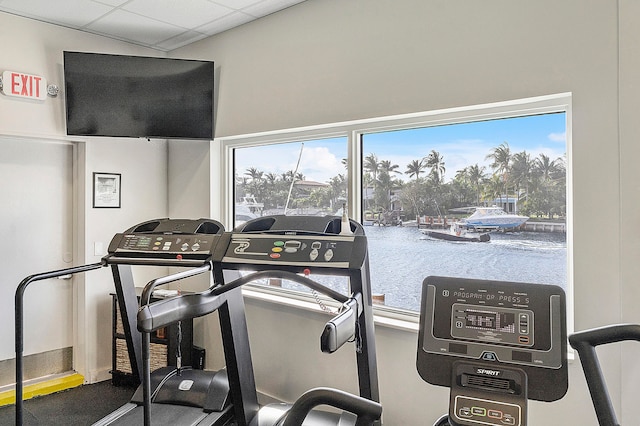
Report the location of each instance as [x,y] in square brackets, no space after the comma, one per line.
[248,208]
[457,233]
[493,218]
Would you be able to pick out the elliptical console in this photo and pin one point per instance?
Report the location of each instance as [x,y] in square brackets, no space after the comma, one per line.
[495,344]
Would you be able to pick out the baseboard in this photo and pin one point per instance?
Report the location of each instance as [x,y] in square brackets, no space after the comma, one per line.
[43,386]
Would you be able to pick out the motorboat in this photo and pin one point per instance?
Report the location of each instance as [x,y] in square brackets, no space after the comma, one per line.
[493,218]
[457,233]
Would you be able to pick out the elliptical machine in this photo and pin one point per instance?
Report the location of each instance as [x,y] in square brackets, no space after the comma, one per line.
[495,345]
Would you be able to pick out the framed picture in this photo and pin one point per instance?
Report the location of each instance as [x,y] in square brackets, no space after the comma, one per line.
[106,190]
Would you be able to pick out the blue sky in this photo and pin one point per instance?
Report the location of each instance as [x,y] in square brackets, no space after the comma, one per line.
[460,145]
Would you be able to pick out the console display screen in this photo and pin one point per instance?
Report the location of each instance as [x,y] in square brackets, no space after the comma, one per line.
[504,322]
[492,324]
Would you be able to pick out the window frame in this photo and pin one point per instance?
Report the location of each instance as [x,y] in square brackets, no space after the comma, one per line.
[354,130]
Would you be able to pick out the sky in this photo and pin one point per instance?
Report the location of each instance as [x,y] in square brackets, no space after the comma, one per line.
[460,145]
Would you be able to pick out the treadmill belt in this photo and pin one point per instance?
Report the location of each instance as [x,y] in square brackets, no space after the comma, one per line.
[167,414]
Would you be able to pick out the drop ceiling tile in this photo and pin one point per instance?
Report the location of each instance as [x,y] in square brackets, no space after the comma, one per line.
[128,26]
[114,3]
[265,8]
[230,21]
[183,39]
[187,14]
[237,4]
[71,13]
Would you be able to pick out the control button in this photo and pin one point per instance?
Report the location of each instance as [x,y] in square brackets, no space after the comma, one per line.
[292,246]
[195,247]
[278,243]
[494,414]
[479,411]
[185,385]
[165,248]
[465,412]
[489,356]
[508,420]
[276,249]
[157,243]
[185,247]
[459,324]
[523,339]
[328,255]
[274,255]
[314,254]
[316,245]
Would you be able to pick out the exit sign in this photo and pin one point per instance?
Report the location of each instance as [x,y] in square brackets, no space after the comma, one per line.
[24,85]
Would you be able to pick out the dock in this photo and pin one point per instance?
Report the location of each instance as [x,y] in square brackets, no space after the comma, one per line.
[543,226]
[430,222]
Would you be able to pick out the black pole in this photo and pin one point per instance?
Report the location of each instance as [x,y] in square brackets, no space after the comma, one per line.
[146,377]
[19,325]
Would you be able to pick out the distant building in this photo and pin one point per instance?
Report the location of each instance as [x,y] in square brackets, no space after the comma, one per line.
[508,204]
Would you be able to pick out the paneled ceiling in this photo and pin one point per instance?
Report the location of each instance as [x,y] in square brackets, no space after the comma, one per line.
[163,25]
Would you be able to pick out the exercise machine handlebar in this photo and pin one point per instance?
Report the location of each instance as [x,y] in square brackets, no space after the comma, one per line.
[585,343]
[365,409]
[165,312]
[147,292]
[19,323]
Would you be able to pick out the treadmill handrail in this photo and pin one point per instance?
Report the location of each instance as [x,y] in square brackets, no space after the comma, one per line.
[143,261]
[585,342]
[19,325]
[147,292]
[164,312]
[367,410]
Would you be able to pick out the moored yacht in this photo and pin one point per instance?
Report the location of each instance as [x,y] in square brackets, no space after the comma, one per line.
[493,218]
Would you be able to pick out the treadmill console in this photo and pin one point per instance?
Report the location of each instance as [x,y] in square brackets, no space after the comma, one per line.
[168,239]
[295,241]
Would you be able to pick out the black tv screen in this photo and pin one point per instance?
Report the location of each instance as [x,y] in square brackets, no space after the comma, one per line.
[136,96]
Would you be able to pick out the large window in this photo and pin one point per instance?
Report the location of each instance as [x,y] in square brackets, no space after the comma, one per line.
[296,178]
[407,178]
[421,185]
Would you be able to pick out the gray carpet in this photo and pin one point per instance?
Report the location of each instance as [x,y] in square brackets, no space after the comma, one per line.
[79,406]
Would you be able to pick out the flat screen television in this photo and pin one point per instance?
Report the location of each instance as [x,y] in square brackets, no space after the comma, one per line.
[138,97]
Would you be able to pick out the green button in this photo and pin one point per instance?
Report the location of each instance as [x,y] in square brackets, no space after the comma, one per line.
[278,243]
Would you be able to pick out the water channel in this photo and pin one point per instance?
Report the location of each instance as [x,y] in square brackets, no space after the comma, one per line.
[401,257]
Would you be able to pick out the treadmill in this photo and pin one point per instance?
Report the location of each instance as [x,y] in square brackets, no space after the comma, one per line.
[180,395]
[495,344]
[292,248]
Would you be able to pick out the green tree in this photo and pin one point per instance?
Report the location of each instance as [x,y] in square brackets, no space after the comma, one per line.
[414,168]
[501,164]
[435,162]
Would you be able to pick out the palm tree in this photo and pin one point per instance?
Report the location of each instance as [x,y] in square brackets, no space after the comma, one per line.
[254,173]
[435,162]
[522,171]
[501,164]
[414,168]
[476,176]
[386,166]
[372,166]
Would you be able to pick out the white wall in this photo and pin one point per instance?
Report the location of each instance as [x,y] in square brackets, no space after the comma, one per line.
[327,61]
[36,48]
